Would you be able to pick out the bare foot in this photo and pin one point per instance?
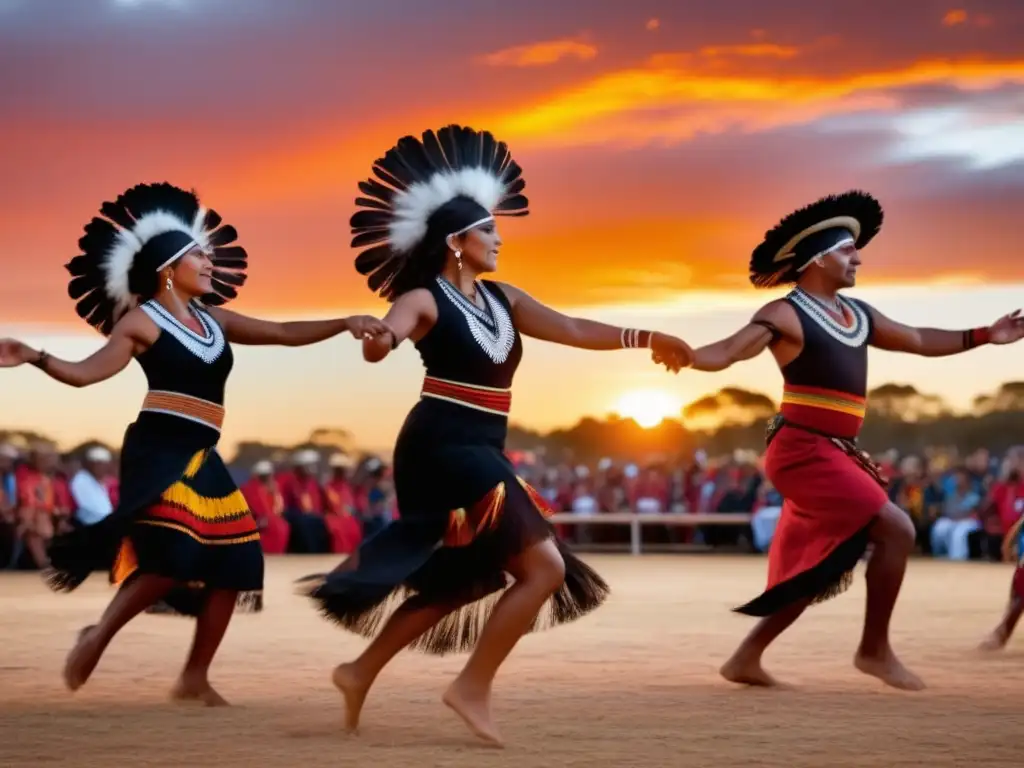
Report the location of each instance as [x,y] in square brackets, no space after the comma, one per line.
[889,670]
[354,688]
[82,659]
[748,672]
[995,641]
[475,710]
[188,689]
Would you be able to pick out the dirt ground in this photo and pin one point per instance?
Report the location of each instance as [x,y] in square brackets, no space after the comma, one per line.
[633,685]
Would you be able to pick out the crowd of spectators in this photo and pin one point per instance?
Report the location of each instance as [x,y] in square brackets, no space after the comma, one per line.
[325,501]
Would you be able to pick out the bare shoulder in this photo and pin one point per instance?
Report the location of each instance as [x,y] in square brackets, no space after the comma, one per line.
[512,293]
[780,313]
[137,326]
[419,301]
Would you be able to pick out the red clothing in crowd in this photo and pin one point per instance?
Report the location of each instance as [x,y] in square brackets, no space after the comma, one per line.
[267,506]
[1008,499]
[344,529]
[301,493]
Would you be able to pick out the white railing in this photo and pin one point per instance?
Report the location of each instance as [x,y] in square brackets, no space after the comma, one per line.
[636,521]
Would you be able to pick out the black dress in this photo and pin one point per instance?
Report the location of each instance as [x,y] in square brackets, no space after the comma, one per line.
[180,514]
[463,511]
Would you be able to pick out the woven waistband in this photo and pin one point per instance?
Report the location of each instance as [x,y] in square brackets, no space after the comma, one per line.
[187,407]
[488,399]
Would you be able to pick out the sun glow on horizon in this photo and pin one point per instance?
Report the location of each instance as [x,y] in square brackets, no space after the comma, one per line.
[648,407]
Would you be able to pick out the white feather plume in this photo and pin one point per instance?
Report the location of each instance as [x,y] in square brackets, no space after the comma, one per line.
[129,242]
[413,207]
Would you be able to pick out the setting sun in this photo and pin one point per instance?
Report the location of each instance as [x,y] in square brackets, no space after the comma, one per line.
[648,407]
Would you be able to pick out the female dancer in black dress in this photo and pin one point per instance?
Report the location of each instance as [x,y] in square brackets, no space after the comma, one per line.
[466,519]
[151,276]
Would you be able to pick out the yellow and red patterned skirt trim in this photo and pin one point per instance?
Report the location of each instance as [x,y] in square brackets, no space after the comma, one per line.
[191,507]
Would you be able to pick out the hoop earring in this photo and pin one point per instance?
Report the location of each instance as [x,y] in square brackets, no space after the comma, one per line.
[169,283]
[458,259]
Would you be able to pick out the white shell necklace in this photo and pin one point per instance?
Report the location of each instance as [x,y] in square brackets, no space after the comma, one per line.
[853,336]
[493,329]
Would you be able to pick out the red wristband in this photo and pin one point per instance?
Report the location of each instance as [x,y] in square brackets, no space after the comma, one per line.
[976,337]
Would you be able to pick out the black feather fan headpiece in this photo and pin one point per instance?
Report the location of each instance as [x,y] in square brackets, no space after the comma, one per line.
[819,228]
[146,229]
[425,190]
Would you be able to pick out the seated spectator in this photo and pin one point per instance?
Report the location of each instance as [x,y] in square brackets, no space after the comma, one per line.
[304,504]
[1001,510]
[951,532]
[38,512]
[90,496]
[267,506]
[10,541]
[378,509]
[767,510]
[343,525]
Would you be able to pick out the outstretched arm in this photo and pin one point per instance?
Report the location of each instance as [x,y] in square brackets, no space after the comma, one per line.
[541,322]
[411,316]
[772,323]
[934,342]
[749,341]
[242,329]
[129,338]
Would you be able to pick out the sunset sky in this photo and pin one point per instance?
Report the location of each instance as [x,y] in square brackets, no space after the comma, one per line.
[659,140]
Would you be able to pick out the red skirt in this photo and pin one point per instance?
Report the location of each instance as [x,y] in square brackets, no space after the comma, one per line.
[831,500]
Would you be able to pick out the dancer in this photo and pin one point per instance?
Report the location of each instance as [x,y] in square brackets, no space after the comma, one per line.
[1012,549]
[466,519]
[835,504]
[152,276]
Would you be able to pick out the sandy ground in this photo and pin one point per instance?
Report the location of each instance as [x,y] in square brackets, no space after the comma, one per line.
[633,685]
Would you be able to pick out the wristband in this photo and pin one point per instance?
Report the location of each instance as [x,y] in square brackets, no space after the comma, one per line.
[631,338]
[40,362]
[975,337]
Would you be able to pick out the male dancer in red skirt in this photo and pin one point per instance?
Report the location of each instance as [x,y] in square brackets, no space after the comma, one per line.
[835,503]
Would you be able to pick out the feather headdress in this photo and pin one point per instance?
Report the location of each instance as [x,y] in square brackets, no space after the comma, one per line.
[817,229]
[144,230]
[445,183]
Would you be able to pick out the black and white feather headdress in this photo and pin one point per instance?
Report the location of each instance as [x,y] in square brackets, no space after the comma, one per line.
[813,231]
[148,228]
[445,183]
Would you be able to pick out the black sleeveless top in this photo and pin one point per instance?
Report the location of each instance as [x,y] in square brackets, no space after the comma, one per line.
[826,384]
[468,344]
[184,362]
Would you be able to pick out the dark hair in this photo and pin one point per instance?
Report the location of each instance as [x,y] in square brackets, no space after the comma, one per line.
[427,259]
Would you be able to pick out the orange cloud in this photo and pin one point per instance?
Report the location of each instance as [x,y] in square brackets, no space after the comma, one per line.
[766,50]
[954,17]
[652,24]
[541,54]
[636,104]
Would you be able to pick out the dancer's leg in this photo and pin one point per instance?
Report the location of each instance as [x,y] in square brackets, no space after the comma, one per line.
[744,666]
[131,599]
[403,627]
[212,623]
[892,537]
[539,572]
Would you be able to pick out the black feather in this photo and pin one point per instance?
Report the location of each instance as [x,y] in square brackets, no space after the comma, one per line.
[236,279]
[223,236]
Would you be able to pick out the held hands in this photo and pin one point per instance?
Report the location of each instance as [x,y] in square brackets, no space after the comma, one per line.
[1007,329]
[13,353]
[366,327]
[671,352]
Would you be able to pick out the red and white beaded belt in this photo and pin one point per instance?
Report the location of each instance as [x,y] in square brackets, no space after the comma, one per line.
[488,399]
